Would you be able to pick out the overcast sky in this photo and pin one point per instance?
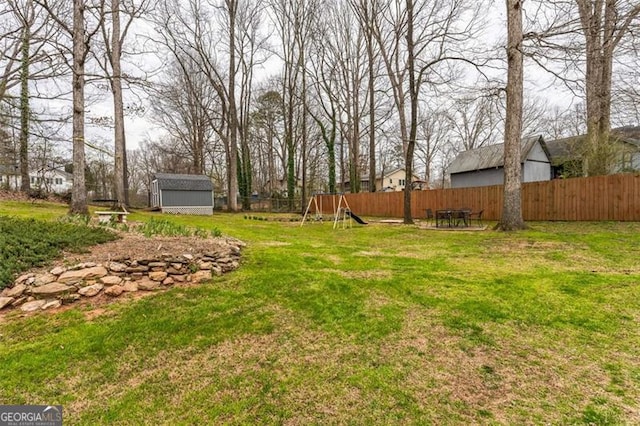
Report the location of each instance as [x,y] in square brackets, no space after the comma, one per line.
[139,128]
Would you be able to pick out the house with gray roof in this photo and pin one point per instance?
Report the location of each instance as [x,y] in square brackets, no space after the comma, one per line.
[485,166]
[182,194]
[566,154]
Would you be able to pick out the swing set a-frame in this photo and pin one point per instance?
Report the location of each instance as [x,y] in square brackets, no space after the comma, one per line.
[340,211]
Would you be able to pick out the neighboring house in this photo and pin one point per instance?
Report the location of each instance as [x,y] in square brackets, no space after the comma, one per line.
[182,194]
[485,166]
[566,154]
[52,180]
[9,177]
[281,185]
[394,180]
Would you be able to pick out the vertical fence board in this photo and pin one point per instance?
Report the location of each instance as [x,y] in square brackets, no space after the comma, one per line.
[614,197]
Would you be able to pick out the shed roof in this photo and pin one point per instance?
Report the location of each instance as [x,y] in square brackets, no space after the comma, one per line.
[180,182]
[491,156]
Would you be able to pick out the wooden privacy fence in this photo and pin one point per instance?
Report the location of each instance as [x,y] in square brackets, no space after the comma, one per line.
[613,197]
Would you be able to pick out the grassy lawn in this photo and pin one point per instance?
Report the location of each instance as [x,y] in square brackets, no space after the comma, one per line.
[373,324]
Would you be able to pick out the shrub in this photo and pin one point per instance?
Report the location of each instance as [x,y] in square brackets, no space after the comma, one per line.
[27,243]
[76,219]
[66,197]
[170,229]
[165,228]
[37,194]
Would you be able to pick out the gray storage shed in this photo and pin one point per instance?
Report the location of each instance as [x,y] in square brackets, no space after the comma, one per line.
[484,166]
[182,194]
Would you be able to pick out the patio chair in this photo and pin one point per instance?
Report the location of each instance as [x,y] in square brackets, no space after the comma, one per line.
[442,217]
[461,216]
[430,217]
[477,216]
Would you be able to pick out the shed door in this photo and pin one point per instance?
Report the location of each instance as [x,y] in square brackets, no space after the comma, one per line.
[155,194]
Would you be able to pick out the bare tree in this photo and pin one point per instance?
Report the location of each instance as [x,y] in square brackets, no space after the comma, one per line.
[418,44]
[512,208]
[324,108]
[434,130]
[347,43]
[565,122]
[28,19]
[267,122]
[293,21]
[604,24]
[474,121]
[26,37]
[224,56]
[81,36]
[10,45]
[586,37]
[366,11]
[111,63]
[185,106]
[251,52]
[339,70]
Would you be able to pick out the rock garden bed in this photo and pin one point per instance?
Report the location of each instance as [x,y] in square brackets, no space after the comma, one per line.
[131,264]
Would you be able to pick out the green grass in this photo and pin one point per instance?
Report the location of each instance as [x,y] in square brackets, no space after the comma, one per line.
[368,325]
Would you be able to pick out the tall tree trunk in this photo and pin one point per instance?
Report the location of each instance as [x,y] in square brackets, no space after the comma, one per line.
[125,176]
[118,105]
[512,207]
[25,110]
[271,160]
[372,115]
[291,152]
[303,194]
[355,175]
[79,190]
[413,125]
[331,153]
[233,113]
[289,136]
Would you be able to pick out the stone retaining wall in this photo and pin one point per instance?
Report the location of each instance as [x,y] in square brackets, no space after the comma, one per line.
[62,285]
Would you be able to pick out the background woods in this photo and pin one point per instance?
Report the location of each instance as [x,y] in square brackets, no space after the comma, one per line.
[283,98]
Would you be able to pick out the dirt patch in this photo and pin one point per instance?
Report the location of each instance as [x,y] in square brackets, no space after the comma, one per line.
[367,275]
[371,254]
[274,244]
[131,246]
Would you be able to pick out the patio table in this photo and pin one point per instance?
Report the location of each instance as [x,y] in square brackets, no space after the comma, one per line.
[452,217]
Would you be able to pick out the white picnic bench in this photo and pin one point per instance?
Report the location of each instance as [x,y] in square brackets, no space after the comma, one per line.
[106,216]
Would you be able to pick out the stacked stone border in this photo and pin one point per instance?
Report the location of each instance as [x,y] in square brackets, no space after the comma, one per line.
[64,285]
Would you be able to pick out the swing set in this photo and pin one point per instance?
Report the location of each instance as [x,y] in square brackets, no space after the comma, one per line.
[340,212]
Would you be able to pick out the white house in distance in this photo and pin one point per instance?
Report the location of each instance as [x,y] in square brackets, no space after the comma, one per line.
[52,180]
[485,166]
[393,180]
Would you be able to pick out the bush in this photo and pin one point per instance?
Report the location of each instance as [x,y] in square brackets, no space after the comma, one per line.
[28,243]
[37,194]
[66,197]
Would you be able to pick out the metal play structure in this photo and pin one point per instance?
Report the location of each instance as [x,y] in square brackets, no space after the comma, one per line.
[340,211]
